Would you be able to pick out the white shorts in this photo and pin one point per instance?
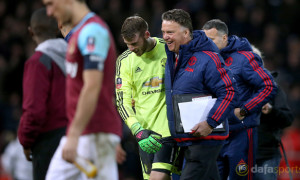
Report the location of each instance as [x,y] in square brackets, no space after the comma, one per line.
[99,148]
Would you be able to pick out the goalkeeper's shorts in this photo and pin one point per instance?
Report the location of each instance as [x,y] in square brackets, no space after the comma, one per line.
[167,160]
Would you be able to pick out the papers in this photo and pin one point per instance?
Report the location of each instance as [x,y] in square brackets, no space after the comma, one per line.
[195,111]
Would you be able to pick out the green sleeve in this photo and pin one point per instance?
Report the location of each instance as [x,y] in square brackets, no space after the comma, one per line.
[124,88]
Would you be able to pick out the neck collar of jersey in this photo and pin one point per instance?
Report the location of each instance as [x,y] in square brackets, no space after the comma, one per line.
[153,51]
[85,18]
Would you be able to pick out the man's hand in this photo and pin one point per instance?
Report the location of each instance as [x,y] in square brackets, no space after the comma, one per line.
[238,114]
[148,140]
[28,154]
[69,151]
[202,129]
[267,108]
[120,154]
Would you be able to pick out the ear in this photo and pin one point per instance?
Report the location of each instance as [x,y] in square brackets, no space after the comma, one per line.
[30,31]
[59,25]
[225,38]
[186,33]
[147,35]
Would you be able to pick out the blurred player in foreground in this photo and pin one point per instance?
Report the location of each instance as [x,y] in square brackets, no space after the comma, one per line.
[94,126]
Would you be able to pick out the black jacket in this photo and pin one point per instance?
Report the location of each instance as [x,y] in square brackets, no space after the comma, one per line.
[272,124]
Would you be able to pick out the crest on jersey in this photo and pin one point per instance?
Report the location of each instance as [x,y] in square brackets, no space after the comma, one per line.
[228,61]
[71,68]
[91,43]
[119,83]
[192,61]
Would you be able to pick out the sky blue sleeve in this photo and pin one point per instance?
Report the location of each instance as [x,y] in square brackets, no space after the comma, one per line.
[93,43]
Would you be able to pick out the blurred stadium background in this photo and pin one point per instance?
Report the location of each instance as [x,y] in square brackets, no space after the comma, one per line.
[270,25]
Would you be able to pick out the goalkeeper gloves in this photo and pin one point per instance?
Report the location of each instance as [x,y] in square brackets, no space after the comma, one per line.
[148,140]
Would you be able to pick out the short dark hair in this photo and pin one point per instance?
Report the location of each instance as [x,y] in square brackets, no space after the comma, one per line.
[218,24]
[43,25]
[132,25]
[180,16]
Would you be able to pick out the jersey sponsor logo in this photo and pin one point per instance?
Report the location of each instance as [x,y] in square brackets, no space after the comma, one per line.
[154,82]
[163,62]
[119,83]
[228,61]
[72,68]
[91,43]
[96,58]
[242,168]
[138,69]
[153,91]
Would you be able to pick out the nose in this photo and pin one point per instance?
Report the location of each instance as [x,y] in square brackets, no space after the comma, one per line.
[165,36]
[49,11]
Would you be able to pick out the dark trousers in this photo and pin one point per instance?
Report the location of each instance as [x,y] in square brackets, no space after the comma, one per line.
[201,162]
[272,168]
[237,157]
[43,151]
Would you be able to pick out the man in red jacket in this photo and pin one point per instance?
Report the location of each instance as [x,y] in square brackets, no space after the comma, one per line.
[44,120]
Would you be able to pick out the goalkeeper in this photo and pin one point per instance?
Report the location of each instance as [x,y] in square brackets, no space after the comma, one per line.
[140,77]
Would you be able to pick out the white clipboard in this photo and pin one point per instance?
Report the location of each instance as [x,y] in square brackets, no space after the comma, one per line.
[190,109]
[196,111]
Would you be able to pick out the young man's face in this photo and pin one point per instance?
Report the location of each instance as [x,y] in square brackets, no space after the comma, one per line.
[137,44]
[174,35]
[216,37]
[59,9]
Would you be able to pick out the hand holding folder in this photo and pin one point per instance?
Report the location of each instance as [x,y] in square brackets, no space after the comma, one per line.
[202,129]
[193,109]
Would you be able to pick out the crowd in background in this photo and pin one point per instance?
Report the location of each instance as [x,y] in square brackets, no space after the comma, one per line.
[270,25]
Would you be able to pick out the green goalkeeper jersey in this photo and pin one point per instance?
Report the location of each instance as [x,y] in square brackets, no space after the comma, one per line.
[142,78]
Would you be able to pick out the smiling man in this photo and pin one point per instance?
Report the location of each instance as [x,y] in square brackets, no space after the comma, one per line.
[194,67]
[140,75]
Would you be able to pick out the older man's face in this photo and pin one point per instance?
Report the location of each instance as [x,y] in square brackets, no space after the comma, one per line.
[174,35]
